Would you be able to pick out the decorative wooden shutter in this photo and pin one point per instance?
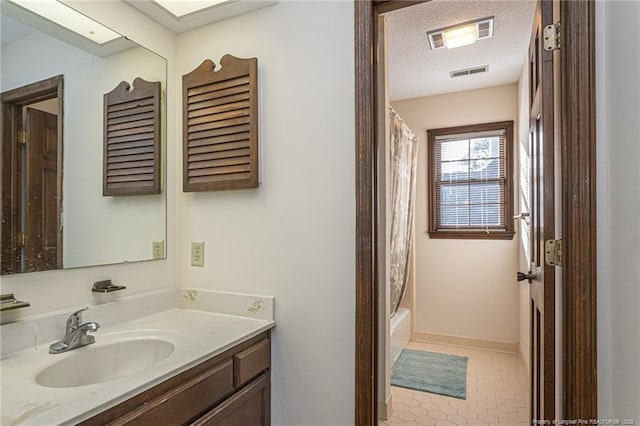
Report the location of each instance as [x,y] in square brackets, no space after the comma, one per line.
[132,139]
[220,125]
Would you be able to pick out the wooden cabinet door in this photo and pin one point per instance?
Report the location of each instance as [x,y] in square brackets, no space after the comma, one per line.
[248,407]
[185,401]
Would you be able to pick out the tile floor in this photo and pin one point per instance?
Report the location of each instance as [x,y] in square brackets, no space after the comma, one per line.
[497,393]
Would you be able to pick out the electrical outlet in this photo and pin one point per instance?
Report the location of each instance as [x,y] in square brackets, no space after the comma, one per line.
[158,250]
[197,253]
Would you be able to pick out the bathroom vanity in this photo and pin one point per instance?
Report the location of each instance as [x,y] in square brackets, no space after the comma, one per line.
[205,360]
[232,388]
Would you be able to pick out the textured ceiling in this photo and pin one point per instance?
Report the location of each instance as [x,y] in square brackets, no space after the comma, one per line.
[415,70]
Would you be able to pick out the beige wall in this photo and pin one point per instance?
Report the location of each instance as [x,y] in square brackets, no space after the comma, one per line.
[464,288]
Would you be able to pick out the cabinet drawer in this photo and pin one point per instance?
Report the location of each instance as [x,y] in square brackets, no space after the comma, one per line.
[247,407]
[251,362]
[186,401]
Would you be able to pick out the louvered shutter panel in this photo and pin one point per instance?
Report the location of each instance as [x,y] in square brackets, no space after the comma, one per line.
[220,125]
[132,139]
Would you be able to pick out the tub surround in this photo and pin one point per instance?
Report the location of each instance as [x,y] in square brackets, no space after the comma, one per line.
[400,333]
[198,332]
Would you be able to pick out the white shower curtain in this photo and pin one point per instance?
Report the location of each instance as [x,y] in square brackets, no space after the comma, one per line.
[404,157]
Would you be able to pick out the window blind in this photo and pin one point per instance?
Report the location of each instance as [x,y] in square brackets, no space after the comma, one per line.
[470,180]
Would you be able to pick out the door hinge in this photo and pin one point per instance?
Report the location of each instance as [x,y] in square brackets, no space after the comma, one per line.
[21,239]
[551,36]
[23,136]
[553,252]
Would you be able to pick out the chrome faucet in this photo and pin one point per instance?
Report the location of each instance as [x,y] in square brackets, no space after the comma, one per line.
[75,335]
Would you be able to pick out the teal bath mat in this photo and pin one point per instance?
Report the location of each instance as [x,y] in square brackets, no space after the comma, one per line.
[431,372]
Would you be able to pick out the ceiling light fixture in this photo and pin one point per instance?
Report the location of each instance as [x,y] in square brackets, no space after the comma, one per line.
[71,19]
[461,34]
[180,8]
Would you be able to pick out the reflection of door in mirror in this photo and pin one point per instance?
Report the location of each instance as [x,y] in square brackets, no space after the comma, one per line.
[32,177]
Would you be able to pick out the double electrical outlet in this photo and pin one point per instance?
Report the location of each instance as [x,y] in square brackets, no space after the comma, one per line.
[197,253]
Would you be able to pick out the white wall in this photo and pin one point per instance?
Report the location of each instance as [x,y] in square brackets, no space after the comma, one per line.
[522,174]
[294,237]
[478,298]
[96,229]
[62,290]
[618,156]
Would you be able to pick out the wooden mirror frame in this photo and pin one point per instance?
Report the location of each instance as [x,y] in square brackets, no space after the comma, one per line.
[12,104]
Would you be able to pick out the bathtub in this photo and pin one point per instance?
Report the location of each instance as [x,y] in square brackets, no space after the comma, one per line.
[400,332]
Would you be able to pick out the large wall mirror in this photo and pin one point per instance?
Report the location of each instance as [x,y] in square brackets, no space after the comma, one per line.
[53,80]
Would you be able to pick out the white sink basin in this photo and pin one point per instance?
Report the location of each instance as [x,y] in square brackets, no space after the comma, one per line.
[96,363]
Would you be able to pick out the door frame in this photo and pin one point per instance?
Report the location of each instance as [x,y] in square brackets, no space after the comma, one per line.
[12,103]
[578,181]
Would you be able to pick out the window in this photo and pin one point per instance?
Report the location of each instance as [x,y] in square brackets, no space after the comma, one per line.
[470,181]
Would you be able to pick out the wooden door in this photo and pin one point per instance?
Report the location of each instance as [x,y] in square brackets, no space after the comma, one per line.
[542,288]
[42,195]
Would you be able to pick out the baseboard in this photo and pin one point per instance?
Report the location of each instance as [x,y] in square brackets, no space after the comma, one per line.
[384,409]
[465,341]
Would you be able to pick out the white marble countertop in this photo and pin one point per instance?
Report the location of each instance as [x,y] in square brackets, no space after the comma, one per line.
[197,335]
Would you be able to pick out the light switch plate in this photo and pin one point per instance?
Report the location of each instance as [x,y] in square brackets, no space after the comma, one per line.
[158,250]
[197,253]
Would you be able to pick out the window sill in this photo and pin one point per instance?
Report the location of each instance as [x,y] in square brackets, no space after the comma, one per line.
[472,235]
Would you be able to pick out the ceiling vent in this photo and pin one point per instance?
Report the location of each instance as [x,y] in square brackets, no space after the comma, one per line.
[437,40]
[461,34]
[485,29]
[469,71]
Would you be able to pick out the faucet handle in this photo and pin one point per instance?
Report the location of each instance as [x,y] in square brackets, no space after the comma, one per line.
[75,319]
